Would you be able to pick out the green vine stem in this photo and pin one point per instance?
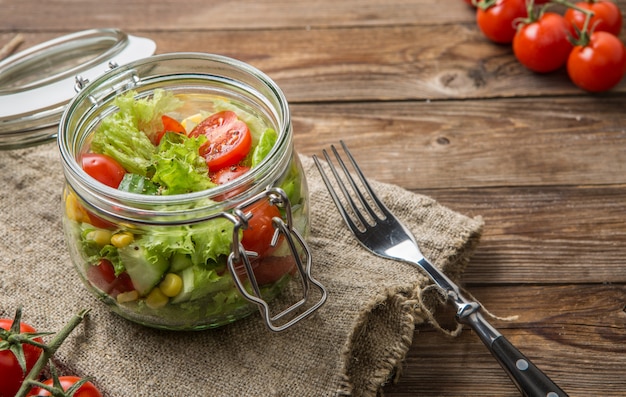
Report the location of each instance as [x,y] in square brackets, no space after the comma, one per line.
[584,32]
[49,350]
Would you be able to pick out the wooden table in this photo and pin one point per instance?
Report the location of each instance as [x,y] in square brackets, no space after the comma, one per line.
[425,102]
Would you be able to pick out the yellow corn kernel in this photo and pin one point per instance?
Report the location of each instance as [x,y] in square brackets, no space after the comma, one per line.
[122,239]
[156,299]
[171,285]
[74,210]
[101,237]
[125,297]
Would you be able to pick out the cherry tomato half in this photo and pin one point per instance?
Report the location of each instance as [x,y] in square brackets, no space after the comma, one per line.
[169,125]
[607,16]
[270,269]
[86,390]
[102,276]
[258,236]
[11,374]
[103,168]
[226,175]
[228,139]
[599,65]
[543,46]
[497,22]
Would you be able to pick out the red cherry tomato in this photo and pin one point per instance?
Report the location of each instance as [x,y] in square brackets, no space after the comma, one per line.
[102,276]
[607,16]
[169,125]
[11,373]
[258,236]
[228,139]
[103,168]
[270,269]
[86,390]
[543,46]
[226,175]
[497,22]
[599,65]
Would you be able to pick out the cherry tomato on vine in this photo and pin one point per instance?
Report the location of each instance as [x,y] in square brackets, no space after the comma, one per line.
[496,19]
[607,16]
[598,65]
[169,125]
[86,390]
[11,373]
[103,168]
[543,45]
[228,139]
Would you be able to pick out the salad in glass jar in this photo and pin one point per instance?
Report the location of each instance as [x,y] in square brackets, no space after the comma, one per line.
[175,274]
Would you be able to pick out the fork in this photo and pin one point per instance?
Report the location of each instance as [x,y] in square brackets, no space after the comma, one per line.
[380,232]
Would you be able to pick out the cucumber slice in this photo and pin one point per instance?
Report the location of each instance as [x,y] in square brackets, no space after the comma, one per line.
[145,273]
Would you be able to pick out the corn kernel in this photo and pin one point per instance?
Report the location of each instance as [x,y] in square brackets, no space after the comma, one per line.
[156,299]
[129,296]
[122,239]
[74,210]
[101,237]
[171,285]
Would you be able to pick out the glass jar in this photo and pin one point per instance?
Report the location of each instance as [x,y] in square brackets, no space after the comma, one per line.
[191,260]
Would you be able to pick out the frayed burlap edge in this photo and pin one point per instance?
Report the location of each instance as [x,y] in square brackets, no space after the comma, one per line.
[413,307]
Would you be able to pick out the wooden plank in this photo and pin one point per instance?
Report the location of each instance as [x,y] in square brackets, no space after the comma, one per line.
[415,63]
[199,15]
[464,144]
[576,334]
[542,235]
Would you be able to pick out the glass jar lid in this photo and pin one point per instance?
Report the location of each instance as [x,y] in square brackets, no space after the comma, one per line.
[36,84]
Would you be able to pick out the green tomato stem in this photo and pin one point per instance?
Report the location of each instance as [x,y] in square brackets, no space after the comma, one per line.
[49,350]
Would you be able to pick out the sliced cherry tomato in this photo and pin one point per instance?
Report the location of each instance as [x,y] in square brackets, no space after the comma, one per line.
[270,269]
[226,175]
[543,45]
[169,125]
[103,168]
[607,16]
[497,21]
[11,373]
[96,221]
[258,236]
[228,139]
[599,65]
[102,276]
[88,389]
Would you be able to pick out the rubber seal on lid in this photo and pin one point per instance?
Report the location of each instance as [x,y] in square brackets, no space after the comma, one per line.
[36,84]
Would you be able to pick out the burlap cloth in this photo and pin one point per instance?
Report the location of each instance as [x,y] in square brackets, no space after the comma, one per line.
[350,347]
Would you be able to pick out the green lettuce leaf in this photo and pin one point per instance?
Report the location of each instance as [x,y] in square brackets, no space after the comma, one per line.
[178,166]
[266,143]
[125,135]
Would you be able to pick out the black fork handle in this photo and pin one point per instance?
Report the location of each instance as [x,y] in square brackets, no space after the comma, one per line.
[529,379]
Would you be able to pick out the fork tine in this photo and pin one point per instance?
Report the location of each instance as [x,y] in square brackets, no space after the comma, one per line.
[356,189]
[333,194]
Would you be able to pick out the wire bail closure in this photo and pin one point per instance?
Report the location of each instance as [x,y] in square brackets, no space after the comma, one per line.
[303,260]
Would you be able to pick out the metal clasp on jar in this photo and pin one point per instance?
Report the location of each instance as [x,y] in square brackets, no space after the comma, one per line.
[298,250]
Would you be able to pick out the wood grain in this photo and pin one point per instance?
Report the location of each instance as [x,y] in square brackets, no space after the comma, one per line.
[426,102]
[578,341]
